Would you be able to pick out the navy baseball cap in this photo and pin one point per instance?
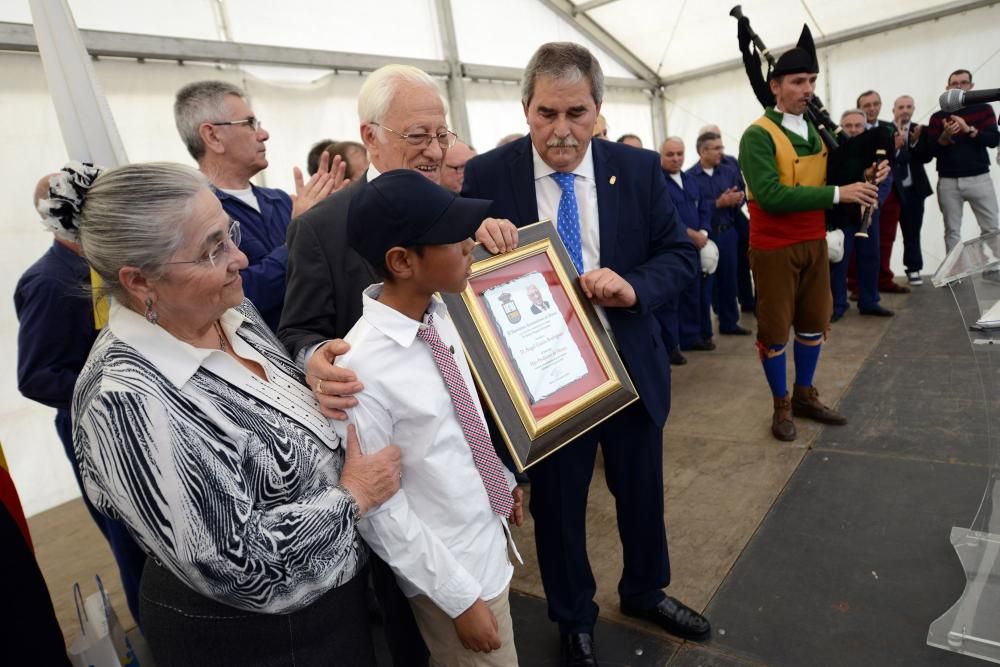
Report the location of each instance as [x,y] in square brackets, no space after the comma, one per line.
[404,208]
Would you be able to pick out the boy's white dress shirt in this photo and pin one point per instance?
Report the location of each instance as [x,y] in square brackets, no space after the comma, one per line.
[438,533]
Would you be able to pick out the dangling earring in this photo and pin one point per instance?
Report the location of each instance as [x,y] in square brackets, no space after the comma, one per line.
[151,315]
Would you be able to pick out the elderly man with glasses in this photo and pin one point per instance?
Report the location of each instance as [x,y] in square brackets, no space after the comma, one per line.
[222,134]
[403,126]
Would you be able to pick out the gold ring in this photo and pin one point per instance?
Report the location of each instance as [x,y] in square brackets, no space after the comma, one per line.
[319,386]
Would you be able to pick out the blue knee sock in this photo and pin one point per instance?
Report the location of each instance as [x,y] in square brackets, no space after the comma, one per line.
[772,357]
[806,358]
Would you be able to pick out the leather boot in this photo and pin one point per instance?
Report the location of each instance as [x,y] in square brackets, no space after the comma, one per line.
[782,425]
[806,403]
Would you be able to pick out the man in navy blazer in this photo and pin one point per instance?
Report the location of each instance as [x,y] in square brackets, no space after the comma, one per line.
[612,209]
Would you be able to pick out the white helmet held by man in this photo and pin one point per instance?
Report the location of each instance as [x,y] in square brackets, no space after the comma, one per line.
[835,245]
[709,257]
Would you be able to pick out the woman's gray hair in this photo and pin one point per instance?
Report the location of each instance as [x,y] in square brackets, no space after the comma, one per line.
[201,102]
[379,90]
[134,216]
[564,61]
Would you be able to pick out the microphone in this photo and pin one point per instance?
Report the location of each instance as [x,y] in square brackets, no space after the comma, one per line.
[953,100]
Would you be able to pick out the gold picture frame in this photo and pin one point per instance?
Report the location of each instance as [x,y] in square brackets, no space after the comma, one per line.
[565,375]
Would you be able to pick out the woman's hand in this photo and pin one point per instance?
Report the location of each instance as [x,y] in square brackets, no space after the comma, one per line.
[371,478]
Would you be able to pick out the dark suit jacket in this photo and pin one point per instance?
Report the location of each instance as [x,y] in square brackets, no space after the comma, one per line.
[325,276]
[915,157]
[642,239]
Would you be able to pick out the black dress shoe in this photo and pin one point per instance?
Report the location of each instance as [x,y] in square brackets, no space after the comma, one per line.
[738,331]
[577,650]
[836,317]
[877,311]
[676,358]
[706,345]
[676,618]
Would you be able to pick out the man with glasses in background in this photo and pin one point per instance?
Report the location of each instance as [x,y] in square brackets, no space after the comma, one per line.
[224,136]
[453,172]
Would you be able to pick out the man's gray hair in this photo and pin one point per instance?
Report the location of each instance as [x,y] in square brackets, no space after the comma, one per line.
[564,61]
[379,90]
[134,216]
[201,102]
[704,138]
[669,139]
[851,112]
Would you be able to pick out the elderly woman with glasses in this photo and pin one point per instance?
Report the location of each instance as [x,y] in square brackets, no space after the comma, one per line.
[194,427]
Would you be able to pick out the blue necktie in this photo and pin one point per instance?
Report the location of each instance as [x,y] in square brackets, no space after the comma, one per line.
[568,223]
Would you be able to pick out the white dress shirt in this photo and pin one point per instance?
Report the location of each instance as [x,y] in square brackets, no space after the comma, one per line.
[438,533]
[677,179]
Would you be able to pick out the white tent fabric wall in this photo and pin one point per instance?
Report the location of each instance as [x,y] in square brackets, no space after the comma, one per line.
[912,61]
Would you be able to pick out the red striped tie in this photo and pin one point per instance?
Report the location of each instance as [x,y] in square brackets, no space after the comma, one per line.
[483,454]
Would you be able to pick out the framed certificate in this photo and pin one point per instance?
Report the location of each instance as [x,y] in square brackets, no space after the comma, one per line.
[544,363]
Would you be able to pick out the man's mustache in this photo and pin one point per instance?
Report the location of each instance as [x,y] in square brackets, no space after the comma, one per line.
[565,142]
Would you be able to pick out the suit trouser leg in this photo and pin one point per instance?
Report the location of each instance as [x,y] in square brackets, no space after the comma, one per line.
[951,203]
[888,222]
[689,313]
[982,197]
[633,467]
[633,451]
[401,632]
[911,219]
[867,255]
[559,489]
[707,288]
[838,274]
[727,281]
[746,295]
[668,315]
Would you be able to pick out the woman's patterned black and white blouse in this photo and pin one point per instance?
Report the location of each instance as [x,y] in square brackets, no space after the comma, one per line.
[227,479]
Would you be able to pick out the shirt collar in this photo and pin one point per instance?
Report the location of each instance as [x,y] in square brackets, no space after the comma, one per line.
[177,360]
[392,323]
[372,172]
[584,170]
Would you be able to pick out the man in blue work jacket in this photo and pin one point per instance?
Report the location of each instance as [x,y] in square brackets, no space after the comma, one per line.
[687,322]
[720,193]
[221,132]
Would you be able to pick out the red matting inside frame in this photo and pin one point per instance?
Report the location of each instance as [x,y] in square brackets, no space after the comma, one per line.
[595,373]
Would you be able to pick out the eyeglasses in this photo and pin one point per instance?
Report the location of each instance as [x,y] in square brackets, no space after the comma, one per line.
[219,252]
[446,138]
[252,122]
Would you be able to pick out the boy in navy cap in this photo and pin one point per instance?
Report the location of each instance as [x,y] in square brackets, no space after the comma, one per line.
[445,533]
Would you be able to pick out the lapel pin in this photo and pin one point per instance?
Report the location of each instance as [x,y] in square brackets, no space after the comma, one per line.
[613,179]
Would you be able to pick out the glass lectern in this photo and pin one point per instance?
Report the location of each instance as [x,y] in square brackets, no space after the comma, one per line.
[972,626]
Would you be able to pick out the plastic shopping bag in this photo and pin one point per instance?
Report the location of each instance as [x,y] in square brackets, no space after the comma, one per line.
[102,641]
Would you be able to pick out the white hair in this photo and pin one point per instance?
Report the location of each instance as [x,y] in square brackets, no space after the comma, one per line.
[380,88]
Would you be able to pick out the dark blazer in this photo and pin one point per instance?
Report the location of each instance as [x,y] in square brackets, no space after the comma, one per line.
[642,239]
[915,157]
[325,276]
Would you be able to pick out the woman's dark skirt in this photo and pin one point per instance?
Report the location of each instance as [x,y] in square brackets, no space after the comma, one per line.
[186,629]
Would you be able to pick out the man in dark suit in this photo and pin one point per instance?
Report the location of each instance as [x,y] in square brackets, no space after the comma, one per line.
[912,183]
[403,126]
[538,304]
[615,216]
